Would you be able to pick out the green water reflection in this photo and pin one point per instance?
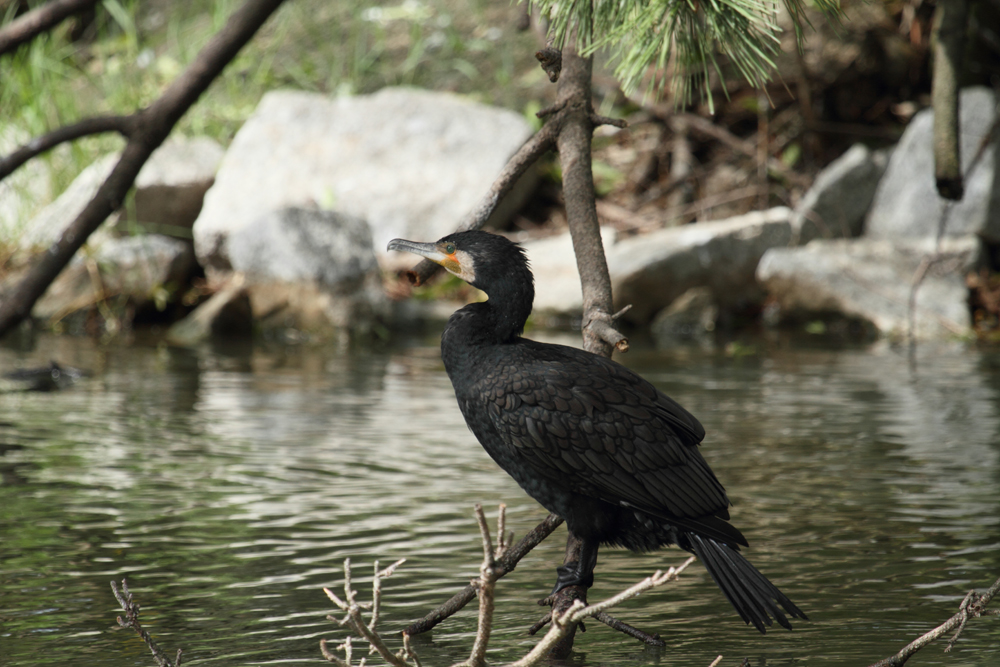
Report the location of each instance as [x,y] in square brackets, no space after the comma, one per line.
[229,485]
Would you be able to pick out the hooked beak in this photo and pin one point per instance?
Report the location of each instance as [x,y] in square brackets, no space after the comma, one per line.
[428,250]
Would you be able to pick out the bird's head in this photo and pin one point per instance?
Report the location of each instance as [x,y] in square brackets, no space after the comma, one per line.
[479,258]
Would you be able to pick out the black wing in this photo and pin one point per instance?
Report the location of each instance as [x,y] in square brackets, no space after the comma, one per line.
[597,428]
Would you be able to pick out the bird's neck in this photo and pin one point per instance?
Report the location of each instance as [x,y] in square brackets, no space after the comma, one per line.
[497,321]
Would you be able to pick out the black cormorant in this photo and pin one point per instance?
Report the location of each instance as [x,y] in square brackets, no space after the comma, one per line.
[586,437]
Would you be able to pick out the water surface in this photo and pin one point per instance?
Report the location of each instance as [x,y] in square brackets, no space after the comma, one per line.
[229,485]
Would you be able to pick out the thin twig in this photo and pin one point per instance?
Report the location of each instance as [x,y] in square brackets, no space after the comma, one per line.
[123,125]
[973,606]
[131,620]
[630,630]
[485,589]
[355,621]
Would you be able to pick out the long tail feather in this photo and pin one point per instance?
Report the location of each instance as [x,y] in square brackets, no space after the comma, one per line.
[750,592]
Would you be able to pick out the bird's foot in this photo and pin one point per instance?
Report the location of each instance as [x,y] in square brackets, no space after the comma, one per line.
[570,575]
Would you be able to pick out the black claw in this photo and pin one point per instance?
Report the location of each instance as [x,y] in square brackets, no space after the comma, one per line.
[570,575]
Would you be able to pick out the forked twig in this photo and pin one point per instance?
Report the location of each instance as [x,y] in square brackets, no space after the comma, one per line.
[973,606]
[131,620]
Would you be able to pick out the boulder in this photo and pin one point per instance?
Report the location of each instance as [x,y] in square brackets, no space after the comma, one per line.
[836,204]
[309,270]
[871,280]
[907,205]
[412,163]
[652,270]
[171,186]
[134,268]
[557,279]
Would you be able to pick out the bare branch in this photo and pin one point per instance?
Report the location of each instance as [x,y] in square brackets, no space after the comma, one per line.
[948,43]
[973,606]
[153,125]
[485,588]
[356,622]
[597,121]
[123,125]
[504,565]
[31,24]
[131,609]
[631,631]
[581,208]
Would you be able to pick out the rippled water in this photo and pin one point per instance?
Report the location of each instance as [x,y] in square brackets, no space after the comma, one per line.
[229,485]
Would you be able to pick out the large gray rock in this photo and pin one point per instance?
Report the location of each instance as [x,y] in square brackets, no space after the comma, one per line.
[133,268]
[907,205]
[557,278]
[412,163]
[836,204]
[652,270]
[871,280]
[309,270]
[171,186]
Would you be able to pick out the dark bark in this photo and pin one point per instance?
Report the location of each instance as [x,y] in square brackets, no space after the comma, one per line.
[152,125]
[948,40]
[25,28]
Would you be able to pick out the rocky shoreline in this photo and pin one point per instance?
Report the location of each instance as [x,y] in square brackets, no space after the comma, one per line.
[285,232]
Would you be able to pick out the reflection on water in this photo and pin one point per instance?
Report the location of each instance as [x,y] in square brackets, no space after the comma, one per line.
[229,485]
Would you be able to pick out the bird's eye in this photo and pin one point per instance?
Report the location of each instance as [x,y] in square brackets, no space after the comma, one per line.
[450,249]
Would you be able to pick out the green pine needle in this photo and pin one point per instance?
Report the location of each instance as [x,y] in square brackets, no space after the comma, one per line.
[675,43]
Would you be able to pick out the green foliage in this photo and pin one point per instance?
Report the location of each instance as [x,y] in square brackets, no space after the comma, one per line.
[678,42]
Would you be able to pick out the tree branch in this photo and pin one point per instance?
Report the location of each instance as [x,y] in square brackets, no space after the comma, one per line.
[153,125]
[973,606]
[563,624]
[28,26]
[506,563]
[131,609]
[581,208]
[948,39]
[123,125]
